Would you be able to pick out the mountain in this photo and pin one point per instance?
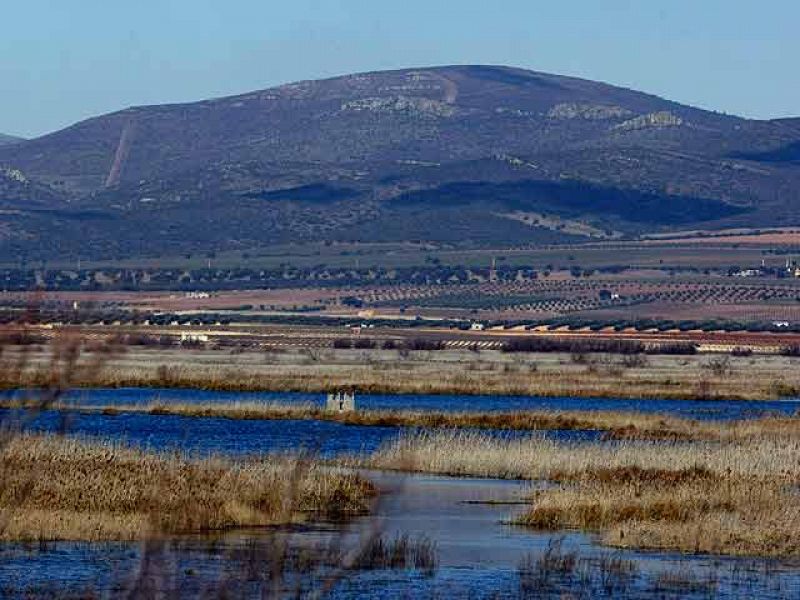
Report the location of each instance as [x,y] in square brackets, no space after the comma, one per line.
[8,139]
[463,154]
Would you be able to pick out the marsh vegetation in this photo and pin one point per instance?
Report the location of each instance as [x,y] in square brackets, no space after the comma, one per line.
[615,425]
[59,488]
[466,371]
[650,482]
[721,497]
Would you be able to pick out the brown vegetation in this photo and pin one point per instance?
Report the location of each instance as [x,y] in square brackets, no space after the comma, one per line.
[618,425]
[727,497]
[444,372]
[402,552]
[482,455]
[641,423]
[690,510]
[60,488]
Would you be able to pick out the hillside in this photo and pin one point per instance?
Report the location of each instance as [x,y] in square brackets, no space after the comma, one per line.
[468,154]
[8,139]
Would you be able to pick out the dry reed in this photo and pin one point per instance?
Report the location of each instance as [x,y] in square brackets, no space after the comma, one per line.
[616,422]
[736,498]
[62,488]
[535,457]
[447,373]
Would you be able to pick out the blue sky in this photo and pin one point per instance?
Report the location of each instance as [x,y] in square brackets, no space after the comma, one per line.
[62,61]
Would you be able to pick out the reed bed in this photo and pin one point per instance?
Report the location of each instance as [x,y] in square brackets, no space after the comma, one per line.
[564,383]
[735,498]
[617,421]
[444,372]
[481,455]
[694,512]
[678,429]
[60,488]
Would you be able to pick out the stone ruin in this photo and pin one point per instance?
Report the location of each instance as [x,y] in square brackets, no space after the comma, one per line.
[341,402]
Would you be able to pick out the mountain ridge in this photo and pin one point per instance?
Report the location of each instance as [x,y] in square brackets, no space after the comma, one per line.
[351,157]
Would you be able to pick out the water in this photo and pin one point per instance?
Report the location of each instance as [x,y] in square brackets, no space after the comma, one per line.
[241,437]
[695,409]
[221,436]
[479,556]
[479,553]
[236,437]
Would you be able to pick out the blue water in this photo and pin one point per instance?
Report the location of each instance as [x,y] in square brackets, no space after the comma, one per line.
[479,554]
[243,437]
[696,409]
[198,572]
[214,435]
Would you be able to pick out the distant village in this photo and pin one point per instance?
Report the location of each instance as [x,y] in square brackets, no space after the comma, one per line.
[790,269]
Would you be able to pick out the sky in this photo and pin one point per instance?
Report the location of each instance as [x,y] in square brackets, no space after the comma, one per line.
[63,61]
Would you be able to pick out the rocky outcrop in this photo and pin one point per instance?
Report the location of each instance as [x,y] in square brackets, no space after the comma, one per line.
[401,104]
[14,175]
[590,112]
[656,120]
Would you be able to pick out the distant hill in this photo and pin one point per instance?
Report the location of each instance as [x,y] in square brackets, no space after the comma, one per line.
[464,154]
[8,139]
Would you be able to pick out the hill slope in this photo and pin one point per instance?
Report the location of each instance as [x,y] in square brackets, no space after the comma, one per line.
[8,139]
[463,154]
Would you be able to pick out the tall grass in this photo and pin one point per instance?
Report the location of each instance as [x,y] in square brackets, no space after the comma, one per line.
[55,487]
[719,497]
[457,372]
[481,455]
[694,511]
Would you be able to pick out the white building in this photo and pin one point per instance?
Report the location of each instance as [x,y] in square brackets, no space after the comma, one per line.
[341,402]
[193,338]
